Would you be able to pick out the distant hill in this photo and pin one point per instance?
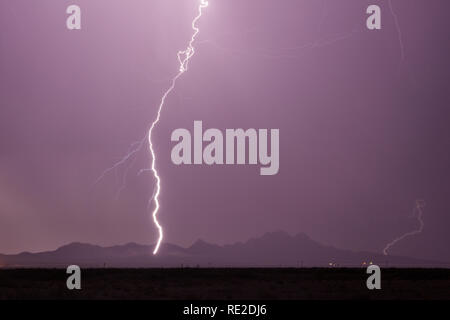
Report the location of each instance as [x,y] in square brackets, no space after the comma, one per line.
[273,249]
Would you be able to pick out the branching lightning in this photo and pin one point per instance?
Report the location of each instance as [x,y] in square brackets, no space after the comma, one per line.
[420,204]
[183,59]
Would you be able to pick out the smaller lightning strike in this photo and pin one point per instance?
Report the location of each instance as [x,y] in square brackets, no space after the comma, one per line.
[183,59]
[420,204]
[401,45]
[399,31]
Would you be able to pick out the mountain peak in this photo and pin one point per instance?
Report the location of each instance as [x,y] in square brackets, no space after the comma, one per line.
[77,246]
[201,246]
[277,234]
[271,237]
[200,243]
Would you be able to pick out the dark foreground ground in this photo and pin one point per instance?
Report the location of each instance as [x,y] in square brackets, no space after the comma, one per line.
[225,284]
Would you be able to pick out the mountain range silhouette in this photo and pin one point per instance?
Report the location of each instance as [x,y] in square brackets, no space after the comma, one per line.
[274,249]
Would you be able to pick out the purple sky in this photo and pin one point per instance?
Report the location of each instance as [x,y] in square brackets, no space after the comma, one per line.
[364,130]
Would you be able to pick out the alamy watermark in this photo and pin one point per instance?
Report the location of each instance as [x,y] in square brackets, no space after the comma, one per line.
[74,280]
[231,151]
[374,281]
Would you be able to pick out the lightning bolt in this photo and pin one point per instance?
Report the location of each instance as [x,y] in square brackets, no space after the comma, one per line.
[183,59]
[420,204]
